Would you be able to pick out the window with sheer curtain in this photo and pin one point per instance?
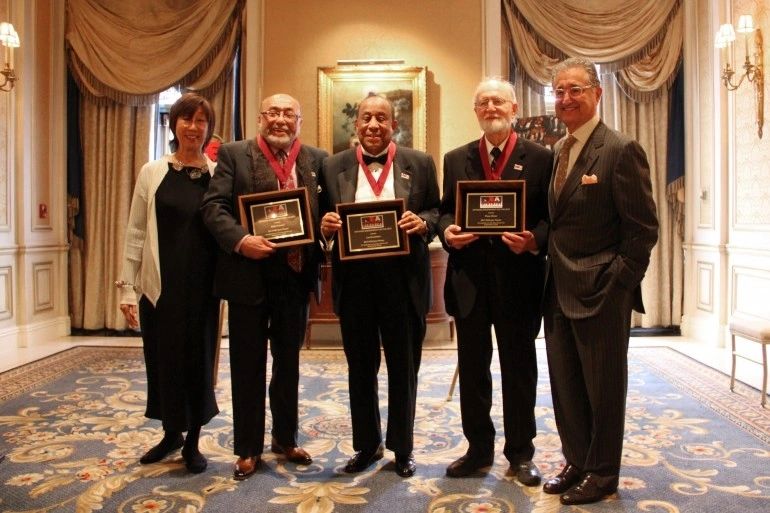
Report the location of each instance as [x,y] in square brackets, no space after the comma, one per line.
[122,55]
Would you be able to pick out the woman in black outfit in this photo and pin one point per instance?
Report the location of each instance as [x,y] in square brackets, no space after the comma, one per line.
[168,266]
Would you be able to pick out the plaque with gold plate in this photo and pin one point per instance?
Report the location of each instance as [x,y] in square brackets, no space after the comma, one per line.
[490,207]
[282,217]
[370,230]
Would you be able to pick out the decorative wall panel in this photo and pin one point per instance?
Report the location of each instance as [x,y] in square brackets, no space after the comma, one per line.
[42,279]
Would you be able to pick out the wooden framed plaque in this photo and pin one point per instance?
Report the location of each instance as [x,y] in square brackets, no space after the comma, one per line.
[490,207]
[370,230]
[282,217]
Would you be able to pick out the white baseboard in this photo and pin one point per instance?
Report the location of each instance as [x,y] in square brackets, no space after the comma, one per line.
[36,333]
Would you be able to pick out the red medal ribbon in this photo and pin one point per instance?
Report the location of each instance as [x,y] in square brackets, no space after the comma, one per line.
[502,160]
[283,172]
[377,185]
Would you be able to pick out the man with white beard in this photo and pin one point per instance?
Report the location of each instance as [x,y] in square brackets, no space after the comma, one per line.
[497,280]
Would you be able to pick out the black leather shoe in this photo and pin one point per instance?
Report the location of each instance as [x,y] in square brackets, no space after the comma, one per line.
[563,481]
[467,465]
[587,491]
[294,453]
[161,450]
[363,459]
[194,461]
[527,473]
[405,465]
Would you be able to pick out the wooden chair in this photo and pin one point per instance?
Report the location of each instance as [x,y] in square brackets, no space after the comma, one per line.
[756,330]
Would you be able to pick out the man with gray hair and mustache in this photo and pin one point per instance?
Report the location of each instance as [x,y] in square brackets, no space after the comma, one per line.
[497,280]
[266,286]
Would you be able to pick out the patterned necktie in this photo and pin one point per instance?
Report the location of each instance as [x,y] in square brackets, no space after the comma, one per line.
[281,156]
[561,169]
[495,157]
[293,255]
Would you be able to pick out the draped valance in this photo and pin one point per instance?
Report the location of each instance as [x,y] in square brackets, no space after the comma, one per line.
[640,41]
[129,52]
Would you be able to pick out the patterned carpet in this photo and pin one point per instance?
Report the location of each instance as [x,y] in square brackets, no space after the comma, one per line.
[72,429]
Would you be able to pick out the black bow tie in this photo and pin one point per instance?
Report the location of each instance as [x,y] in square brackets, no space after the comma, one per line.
[368,159]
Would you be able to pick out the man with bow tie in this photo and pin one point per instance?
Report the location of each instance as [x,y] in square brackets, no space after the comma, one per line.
[266,288]
[382,300]
[497,281]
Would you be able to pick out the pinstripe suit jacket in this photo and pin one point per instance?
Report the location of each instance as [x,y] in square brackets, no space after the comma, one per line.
[601,233]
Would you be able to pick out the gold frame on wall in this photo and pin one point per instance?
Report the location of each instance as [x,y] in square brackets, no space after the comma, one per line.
[340,88]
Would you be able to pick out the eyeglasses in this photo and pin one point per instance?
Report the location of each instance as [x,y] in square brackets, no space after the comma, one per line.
[573,92]
[288,115]
[496,101]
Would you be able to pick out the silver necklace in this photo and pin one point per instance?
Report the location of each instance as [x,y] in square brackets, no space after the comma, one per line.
[192,171]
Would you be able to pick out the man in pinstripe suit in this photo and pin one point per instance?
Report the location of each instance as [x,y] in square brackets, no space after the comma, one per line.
[603,227]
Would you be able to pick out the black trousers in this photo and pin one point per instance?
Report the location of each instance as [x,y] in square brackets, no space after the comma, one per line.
[378,310]
[515,332]
[281,319]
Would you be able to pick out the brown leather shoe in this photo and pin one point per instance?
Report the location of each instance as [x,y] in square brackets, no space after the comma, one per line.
[563,481]
[294,454]
[244,467]
[589,490]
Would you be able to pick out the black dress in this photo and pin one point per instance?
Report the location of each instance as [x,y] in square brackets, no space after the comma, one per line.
[180,332]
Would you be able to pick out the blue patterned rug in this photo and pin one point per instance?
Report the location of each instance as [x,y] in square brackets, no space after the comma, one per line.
[72,429]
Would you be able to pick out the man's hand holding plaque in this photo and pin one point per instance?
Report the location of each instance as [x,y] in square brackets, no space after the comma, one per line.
[275,219]
[372,229]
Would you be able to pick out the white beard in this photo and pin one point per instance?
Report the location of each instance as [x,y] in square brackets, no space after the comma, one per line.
[495,126]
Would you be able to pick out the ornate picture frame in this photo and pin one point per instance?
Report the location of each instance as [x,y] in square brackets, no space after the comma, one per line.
[340,88]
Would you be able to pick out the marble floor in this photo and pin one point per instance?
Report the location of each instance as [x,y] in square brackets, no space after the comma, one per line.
[716,357]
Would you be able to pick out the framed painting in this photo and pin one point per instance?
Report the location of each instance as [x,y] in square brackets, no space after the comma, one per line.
[341,88]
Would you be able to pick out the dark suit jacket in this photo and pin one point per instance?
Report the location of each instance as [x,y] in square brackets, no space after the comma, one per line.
[414,180]
[243,169]
[520,277]
[602,234]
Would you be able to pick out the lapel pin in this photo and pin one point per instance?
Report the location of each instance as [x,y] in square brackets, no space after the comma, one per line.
[518,167]
[405,176]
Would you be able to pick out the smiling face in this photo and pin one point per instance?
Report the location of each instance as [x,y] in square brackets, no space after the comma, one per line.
[375,124]
[280,126]
[575,111]
[191,130]
[495,109]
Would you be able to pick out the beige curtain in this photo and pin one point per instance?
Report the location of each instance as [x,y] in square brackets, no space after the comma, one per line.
[640,40]
[128,52]
[638,46]
[115,145]
[648,123]
[122,54]
[222,103]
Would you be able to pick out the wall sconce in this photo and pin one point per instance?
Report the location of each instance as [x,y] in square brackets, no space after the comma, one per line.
[10,40]
[753,72]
